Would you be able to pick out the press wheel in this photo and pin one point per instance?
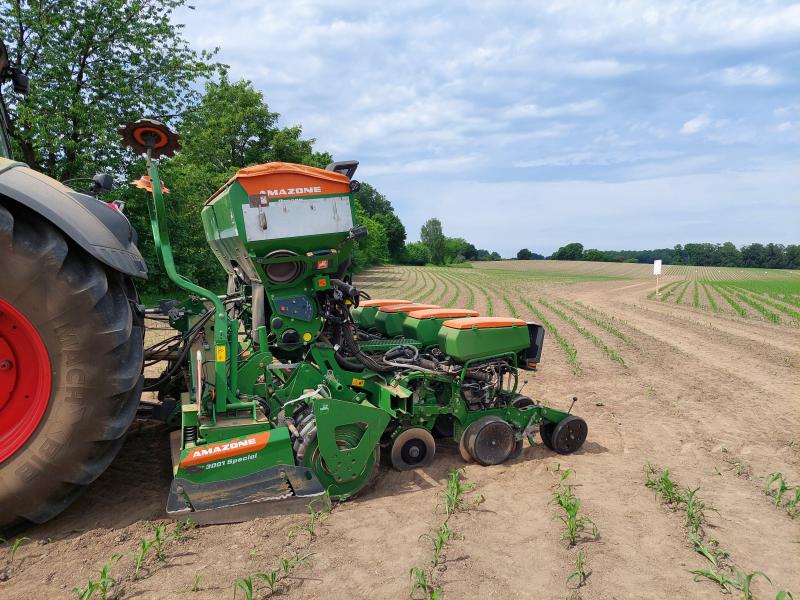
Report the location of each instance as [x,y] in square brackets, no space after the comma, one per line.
[490,441]
[413,449]
[569,435]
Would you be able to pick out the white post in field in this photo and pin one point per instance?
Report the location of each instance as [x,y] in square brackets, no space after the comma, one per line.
[657,273]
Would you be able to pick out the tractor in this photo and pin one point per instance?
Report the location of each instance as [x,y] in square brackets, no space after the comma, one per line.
[287,391]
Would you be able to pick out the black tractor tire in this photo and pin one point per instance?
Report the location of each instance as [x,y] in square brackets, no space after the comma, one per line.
[92,328]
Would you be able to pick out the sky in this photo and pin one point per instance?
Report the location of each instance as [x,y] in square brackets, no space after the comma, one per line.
[620,125]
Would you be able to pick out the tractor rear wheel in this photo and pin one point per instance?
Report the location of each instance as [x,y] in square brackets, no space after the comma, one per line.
[71,355]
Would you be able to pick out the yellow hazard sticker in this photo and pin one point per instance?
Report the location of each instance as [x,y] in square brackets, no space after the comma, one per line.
[221,353]
[307,337]
[358,382]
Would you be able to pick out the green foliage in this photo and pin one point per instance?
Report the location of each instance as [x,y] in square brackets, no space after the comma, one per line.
[92,66]
[580,570]
[564,343]
[432,236]
[594,255]
[378,207]
[416,253]
[574,522]
[159,538]
[573,251]
[14,546]
[140,555]
[104,584]
[373,249]
[453,494]
[421,584]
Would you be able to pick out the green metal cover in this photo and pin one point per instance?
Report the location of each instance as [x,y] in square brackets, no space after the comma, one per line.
[468,344]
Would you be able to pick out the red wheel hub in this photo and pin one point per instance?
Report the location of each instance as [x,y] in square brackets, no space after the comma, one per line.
[25,379]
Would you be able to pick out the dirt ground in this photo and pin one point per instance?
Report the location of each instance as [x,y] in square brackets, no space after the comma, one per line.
[714,398]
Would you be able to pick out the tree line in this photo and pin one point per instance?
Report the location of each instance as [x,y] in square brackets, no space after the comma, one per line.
[762,256]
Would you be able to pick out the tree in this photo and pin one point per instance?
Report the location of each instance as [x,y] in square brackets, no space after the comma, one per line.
[373,249]
[372,201]
[92,66]
[728,255]
[432,236]
[456,250]
[416,254]
[395,233]
[594,255]
[524,254]
[573,251]
[495,256]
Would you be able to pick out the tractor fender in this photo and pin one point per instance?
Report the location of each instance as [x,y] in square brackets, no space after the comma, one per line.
[97,227]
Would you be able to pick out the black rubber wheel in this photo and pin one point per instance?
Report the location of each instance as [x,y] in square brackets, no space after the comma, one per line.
[87,318]
[546,432]
[413,449]
[569,435]
[491,442]
[443,428]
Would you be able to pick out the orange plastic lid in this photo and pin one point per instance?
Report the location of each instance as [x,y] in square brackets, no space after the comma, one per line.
[381,302]
[442,313]
[396,308]
[483,323]
[283,180]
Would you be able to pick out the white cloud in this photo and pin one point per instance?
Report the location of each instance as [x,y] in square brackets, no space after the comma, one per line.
[582,108]
[749,75]
[694,125]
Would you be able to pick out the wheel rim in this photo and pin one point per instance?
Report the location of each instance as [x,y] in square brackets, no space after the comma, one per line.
[25,379]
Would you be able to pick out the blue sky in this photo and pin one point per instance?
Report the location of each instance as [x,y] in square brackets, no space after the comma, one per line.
[617,124]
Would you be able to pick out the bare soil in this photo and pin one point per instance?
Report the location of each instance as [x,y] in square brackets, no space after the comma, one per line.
[713,397]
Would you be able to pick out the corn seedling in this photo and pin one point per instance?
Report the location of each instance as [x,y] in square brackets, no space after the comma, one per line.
[421,583]
[246,585]
[694,509]
[682,293]
[794,501]
[580,570]
[140,554]
[600,322]
[663,485]
[783,595]
[439,541]
[106,582]
[574,523]
[564,344]
[696,296]
[711,302]
[84,593]
[720,579]
[14,546]
[609,352]
[158,541]
[271,579]
[778,492]
[733,304]
[181,527]
[453,494]
[745,580]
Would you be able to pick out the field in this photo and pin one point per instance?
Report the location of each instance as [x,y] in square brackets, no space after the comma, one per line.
[702,380]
